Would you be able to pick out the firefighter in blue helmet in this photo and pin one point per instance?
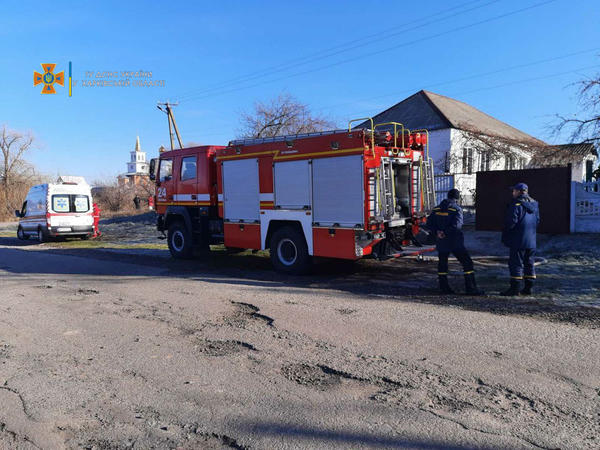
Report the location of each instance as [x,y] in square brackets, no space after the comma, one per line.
[445,222]
[519,235]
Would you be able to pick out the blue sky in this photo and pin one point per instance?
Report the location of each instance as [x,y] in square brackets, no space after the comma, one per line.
[345,59]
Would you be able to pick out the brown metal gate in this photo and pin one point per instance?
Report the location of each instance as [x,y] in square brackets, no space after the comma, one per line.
[551,187]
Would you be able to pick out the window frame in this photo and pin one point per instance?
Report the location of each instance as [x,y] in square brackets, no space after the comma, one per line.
[74,197]
[195,158]
[71,199]
[484,160]
[52,204]
[467,160]
[589,170]
[160,167]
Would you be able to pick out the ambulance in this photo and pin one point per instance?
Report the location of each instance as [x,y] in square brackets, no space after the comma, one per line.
[57,209]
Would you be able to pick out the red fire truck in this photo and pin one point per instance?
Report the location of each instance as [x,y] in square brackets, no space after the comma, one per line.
[338,194]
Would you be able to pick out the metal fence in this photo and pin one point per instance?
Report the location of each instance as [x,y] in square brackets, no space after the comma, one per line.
[464,182]
[551,187]
[443,183]
[586,208]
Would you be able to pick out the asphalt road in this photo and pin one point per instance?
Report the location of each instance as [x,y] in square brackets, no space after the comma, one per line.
[100,353]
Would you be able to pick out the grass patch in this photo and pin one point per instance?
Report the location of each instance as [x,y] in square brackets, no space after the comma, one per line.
[93,243]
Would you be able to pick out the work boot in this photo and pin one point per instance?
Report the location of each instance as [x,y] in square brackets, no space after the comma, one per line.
[444,286]
[471,285]
[513,289]
[528,287]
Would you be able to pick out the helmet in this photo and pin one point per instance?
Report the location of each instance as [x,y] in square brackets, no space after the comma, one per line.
[454,194]
[520,187]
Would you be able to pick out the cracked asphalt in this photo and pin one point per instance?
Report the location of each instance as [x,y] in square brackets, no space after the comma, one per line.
[100,350]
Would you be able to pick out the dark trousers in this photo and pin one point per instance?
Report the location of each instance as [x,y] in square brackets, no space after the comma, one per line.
[463,257]
[521,263]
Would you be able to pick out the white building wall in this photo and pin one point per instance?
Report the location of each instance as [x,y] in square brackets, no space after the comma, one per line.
[138,164]
[439,145]
[578,170]
[498,161]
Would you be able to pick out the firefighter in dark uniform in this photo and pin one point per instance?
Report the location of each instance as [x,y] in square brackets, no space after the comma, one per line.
[519,235]
[445,222]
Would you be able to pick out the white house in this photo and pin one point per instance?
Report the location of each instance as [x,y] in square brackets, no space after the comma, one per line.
[464,140]
[582,157]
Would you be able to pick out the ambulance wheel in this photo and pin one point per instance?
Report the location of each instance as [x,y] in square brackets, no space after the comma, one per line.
[289,252]
[180,241]
[21,234]
[41,235]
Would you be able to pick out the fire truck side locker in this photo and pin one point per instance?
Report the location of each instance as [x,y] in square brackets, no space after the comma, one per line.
[241,203]
[339,196]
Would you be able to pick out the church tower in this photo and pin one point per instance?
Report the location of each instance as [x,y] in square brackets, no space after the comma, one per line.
[137,164]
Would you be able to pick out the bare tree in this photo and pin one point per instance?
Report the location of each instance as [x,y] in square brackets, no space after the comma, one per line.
[16,174]
[488,150]
[114,196]
[586,127]
[280,116]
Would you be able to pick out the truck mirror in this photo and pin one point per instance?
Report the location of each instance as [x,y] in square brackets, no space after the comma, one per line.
[153,169]
[18,213]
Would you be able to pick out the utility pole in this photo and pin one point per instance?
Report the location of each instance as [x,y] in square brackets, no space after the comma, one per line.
[171,119]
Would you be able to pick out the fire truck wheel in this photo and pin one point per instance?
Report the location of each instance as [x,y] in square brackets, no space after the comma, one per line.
[289,252]
[21,234]
[180,241]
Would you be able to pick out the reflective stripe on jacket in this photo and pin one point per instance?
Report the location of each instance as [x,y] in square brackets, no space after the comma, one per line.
[447,217]
[520,223]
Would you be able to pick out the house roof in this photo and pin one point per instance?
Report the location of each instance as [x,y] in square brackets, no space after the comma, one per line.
[554,155]
[434,112]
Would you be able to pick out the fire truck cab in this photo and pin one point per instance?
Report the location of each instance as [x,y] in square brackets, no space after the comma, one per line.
[338,194]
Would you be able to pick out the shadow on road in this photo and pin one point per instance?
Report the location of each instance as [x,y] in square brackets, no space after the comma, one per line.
[399,280]
[351,439]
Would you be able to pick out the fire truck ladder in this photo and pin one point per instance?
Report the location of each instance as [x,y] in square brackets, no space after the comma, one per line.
[416,187]
[428,185]
[374,194]
[423,185]
[423,179]
[389,190]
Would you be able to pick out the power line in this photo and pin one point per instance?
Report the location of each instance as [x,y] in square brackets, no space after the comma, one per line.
[511,83]
[444,33]
[469,77]
[326,53]
[515,82]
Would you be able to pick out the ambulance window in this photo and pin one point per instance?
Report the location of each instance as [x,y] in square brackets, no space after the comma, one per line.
[166,170]
[188,168]
[60,203]
[81,203]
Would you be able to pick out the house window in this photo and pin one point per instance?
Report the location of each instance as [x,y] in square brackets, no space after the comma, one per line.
[509,162]
[484,161]
[447,162]
[589,170]
[467,160]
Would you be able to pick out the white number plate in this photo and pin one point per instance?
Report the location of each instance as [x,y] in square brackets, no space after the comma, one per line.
[64,229]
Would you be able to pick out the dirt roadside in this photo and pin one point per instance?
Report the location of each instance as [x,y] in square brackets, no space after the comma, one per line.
[567,288]
[124,348]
